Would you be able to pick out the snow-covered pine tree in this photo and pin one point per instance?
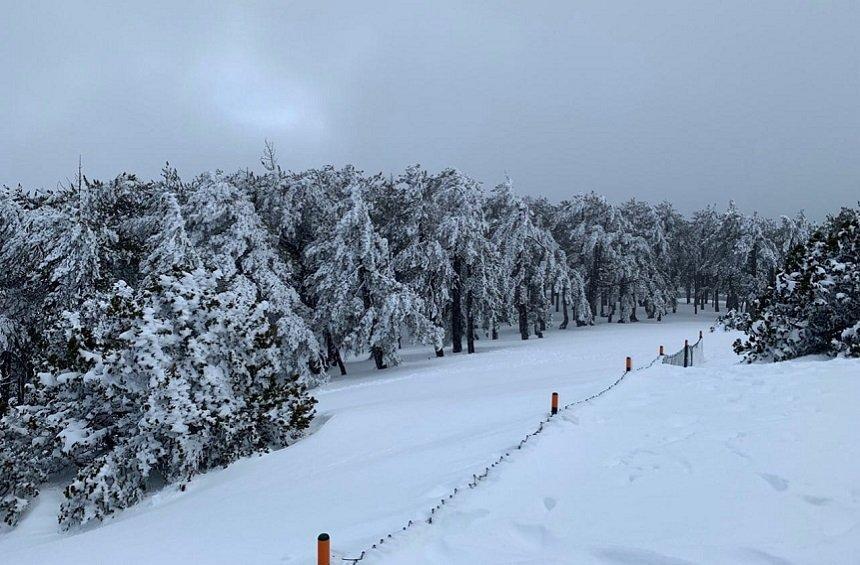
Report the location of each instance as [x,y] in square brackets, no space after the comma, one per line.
[157,385]
[359,302]
[230,237]
[298,209]
[533,262]
[814,306]
[406,213]
[462,232]
[168,246]
[649,253]
[589,230]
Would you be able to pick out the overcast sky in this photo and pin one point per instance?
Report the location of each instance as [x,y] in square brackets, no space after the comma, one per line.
[695,102]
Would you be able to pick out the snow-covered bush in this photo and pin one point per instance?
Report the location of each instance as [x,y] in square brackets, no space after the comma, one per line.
[814,305]
[152,387]
[734,320]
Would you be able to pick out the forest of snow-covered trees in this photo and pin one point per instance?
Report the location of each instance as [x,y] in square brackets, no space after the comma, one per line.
[151,330]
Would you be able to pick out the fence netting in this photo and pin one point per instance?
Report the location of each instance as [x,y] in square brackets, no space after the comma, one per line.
[688,356]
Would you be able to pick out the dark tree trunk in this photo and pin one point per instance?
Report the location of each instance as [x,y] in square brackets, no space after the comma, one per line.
[566,319]
[5,380]
[688,292]
[716,299]
[378,358]
[470,324]
[28,376]
[494,334]
[456,310]
[523,313]
[440,352]
[696,295]
[334,357]
[591,290]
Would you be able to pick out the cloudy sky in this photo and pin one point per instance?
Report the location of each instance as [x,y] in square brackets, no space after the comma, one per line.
[696,102]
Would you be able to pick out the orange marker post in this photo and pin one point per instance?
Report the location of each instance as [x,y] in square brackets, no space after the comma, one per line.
[700,334]
[629,364]
[323,549]
[686,352]
[661,350]
[554,409]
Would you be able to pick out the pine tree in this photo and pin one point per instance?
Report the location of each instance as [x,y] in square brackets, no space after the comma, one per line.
[359,302]
[814,306]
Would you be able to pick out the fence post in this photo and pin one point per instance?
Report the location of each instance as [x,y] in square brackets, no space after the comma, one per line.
[686,352]
[323,549]
[628,364]
[554,405]
[700,334]
[661,350]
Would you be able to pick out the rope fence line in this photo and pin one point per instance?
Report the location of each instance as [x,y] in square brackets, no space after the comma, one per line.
[323,547]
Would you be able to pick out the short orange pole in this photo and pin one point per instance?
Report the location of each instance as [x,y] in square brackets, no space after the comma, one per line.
[700,334]
[629,363]
[554,403]
[661,350]
[323,549]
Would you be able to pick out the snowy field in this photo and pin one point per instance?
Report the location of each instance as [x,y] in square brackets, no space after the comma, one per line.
[715,464]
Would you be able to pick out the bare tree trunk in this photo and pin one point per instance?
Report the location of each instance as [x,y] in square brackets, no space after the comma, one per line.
[523,315]
[696,295]
[470,324]
[378,358]
[566,319]
[592,289]
[456,311]
[334,357]
[5,380]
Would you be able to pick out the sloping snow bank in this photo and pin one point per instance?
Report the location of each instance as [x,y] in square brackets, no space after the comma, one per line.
[718,464]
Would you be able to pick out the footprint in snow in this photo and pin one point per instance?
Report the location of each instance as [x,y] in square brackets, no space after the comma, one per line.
[549,502]
[775,481]
[817,500]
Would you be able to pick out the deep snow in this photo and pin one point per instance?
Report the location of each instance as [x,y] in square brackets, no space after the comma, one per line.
[722,463]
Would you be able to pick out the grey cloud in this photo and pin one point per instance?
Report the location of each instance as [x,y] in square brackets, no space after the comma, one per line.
[696,102]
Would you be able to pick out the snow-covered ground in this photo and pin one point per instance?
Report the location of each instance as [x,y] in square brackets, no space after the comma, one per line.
[723,463]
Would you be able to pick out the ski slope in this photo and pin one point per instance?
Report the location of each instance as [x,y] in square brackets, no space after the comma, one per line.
[715,464]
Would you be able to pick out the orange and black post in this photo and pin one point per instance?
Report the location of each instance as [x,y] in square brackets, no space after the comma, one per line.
[661,350]
[686,353]
[700,334]
[554,407]
[628,364]
[323,549]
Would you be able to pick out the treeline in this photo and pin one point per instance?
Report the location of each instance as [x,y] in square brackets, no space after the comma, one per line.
[151,330]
